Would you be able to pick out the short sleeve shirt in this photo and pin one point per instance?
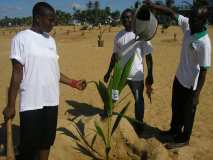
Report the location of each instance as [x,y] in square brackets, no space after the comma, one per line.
[195,53]
[40,83]
[125,46]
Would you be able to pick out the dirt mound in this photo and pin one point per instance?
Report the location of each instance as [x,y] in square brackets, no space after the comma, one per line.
[125,143]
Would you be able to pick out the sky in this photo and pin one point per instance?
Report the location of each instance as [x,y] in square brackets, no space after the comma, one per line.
[23,8]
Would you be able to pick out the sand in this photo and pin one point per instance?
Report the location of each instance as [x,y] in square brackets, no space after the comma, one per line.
[80,58]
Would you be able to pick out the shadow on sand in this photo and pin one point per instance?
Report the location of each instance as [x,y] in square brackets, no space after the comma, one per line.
[149,131]
[78,109]
[84,109]
[82,145]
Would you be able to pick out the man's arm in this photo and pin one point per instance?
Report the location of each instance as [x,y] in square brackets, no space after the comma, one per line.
[201,81]
[78,84]
[113,60]
[16,78]
[149,63]
[161,9]
[149,78]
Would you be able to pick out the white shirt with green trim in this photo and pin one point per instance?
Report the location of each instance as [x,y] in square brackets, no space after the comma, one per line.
[38,55]
[195,53]
[125,47]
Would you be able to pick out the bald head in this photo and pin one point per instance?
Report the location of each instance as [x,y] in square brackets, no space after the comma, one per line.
[42,9]
[198,18]
[43,17]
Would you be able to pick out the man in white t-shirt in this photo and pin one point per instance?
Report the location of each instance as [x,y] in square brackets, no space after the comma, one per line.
[36,76]
[191,73]
[126,46]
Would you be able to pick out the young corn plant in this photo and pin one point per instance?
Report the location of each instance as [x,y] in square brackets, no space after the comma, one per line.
[117,82]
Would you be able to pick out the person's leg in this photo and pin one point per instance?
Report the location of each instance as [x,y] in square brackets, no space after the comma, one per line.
[49,131]
[189,115]
[44,154]
[178,97]
[137,90]
[30,134]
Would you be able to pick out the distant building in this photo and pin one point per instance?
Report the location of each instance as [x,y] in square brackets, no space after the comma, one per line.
[74,22]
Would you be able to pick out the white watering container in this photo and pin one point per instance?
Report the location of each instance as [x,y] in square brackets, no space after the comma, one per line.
[145,23]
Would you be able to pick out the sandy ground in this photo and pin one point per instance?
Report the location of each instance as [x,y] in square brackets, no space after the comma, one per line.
[81,58]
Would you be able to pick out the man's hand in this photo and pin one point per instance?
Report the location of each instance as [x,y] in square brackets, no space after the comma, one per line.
[106,77]
[149,80]
[149,92]
[78,84]
[81,84]
[148,83]
[9,113]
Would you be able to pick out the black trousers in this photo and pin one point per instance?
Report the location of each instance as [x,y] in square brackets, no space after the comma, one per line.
[37,131]
[183,110]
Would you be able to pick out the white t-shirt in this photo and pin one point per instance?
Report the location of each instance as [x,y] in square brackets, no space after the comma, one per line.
[38,55]
[125,47]
[195,53]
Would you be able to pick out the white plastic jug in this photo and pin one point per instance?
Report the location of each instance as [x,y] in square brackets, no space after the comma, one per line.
[145,24]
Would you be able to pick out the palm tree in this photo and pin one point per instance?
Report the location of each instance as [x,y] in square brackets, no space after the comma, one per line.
[90,5]
[170,3]
[96,5]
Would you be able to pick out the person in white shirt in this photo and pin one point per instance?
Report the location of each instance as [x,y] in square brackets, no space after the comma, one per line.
[36,76]
[126,46]
[191,73]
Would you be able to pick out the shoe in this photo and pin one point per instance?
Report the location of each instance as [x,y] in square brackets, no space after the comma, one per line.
[170,132]
[175,145]
[179,141]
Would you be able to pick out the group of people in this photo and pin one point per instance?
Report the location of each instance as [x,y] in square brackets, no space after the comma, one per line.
[36,76]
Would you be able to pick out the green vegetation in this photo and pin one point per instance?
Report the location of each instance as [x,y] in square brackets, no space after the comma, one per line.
[117,82]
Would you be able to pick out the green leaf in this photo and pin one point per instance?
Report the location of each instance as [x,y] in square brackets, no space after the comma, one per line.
[109,102]
[93,140]
[117,121]
[132,121]
[116,75]
[125,74]
[129,119]
[102,91]
[100,132]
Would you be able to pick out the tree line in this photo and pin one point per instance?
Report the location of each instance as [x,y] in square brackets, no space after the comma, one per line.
[93,14]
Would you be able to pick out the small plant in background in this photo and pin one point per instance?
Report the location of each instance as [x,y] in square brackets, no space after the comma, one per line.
[68,32]
[175,37]
[100,37]
[74,28]
[110,28]
[82,32]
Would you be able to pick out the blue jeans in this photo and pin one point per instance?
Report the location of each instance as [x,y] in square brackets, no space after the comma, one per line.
[137,91]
